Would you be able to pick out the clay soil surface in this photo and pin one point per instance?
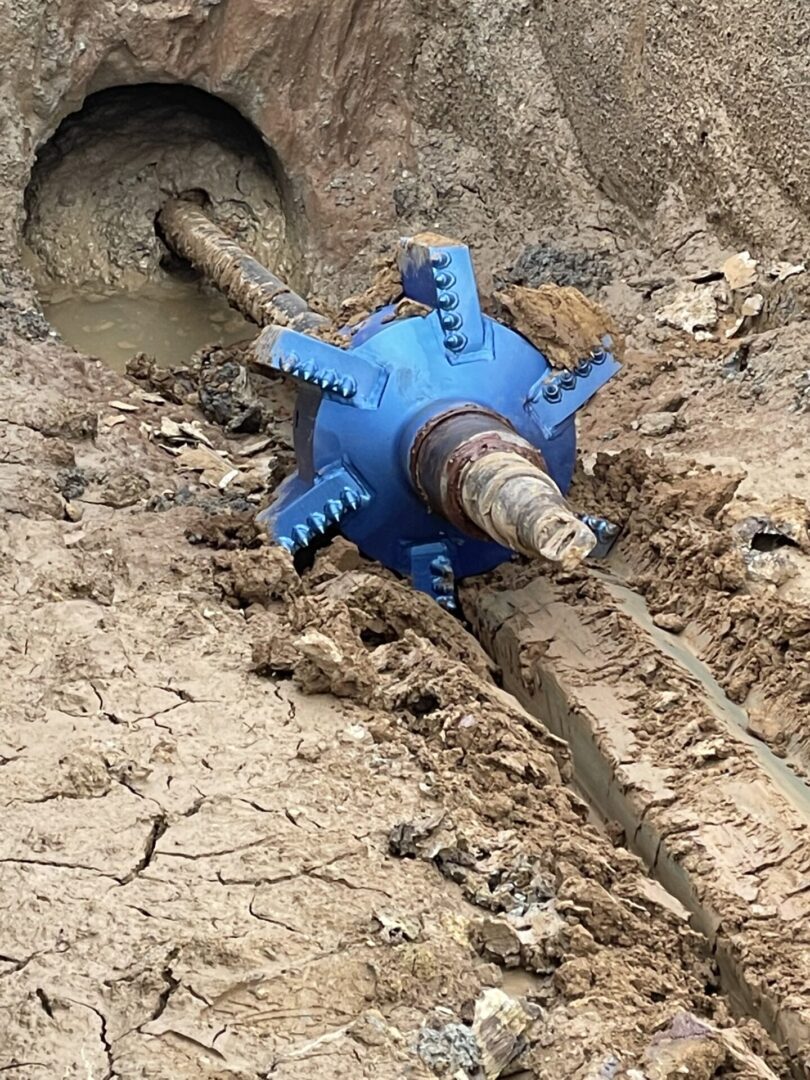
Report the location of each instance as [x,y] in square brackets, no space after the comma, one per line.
[266,820]
[264,824]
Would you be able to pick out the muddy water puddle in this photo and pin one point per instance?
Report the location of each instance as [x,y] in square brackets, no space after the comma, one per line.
[169,321]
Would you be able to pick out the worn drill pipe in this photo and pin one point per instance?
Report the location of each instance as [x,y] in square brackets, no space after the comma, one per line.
[249,286]
[476,471]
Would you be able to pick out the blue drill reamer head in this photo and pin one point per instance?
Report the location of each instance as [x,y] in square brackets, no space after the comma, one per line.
[361,408]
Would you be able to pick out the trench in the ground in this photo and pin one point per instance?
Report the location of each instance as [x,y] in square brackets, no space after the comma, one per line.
[106,281]
[732,717]
[596,779]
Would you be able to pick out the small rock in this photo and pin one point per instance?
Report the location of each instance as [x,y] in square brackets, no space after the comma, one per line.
[694,308]
[497,939]
[355,733]
[448,1049]
[666,700]
[657,423]
[669,620]
[670,403]
[499,1026]
[784,270]
[72,482]
[310,749]
[73,512]
[404,839]
[740,270]
[752,305]
[709,749]
[395,928]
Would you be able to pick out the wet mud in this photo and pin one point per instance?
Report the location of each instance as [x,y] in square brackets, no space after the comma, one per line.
[715,521]
[262,820]
[169,321]
[321,836]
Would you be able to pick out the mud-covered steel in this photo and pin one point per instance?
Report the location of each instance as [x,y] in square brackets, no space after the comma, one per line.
[418,436]
[447,444]
[250,287]
[519,506]
[473,468]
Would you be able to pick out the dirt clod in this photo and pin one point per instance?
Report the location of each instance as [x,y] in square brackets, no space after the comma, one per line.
[560,321]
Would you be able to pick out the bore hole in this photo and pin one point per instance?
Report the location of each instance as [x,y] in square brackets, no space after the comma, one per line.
[374,638]
[105,277]
[423,705]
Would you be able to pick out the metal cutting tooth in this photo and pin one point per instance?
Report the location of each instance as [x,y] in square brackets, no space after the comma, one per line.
[334,510]
[351,498]
[301,535]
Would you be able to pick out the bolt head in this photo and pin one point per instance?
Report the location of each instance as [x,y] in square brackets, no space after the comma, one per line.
[455,341]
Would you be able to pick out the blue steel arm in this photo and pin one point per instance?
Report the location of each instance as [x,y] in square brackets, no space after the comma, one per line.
[301,511]
[345,375]
[442,276]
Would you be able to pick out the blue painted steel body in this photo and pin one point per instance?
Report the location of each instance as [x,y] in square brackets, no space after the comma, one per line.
[395,375]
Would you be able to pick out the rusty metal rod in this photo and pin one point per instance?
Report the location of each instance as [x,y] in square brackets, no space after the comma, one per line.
[250,287]
[475,470]
[520,506]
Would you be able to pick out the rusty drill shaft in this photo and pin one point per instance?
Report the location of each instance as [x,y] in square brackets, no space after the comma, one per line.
[471,467]
[250,287]
[518,505]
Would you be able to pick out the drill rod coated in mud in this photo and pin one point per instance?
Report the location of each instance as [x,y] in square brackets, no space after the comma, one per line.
[250,287]
[471,467]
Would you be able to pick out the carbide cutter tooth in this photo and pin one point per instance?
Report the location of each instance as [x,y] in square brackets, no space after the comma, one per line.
[301,535]
[334,510]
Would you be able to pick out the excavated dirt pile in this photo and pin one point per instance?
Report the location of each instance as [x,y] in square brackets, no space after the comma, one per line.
[275,820]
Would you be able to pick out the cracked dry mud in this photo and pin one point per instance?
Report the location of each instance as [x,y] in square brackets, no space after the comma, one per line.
[256,824]
[209,870]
